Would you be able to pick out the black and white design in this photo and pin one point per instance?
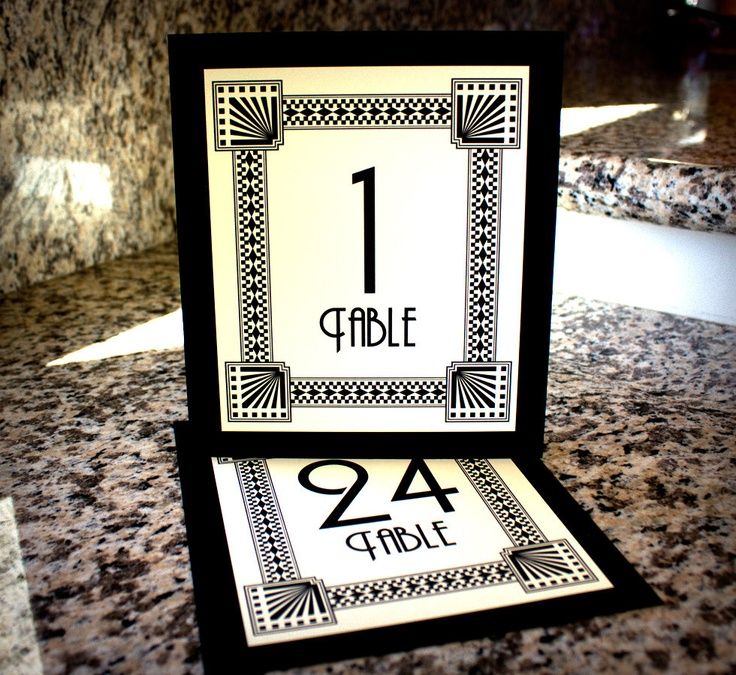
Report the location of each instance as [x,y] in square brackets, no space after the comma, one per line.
[288,606]
[541,566]
[253,256]
[478,391]
[482,273]
[486,113]
[287,601]
[418,585]
[511,515]
[364,391]
[248,115]
[273,548]
[258,392]
[481,114]
[375,111]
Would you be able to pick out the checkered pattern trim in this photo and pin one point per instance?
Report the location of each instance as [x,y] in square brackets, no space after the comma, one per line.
[273,548]
[486,113]
[258,392]
[478,392]
[250,216]
[419,585]
[247,115]
[539,567]
[482,272]
[511,516]
[291,605]
[430,111]
[368,392]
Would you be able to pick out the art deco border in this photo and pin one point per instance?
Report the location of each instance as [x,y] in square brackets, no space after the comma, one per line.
[483,117]
[286,601]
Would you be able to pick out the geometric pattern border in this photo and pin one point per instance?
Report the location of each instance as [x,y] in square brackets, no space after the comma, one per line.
[288,605]
[478,392]
[501,502]
[419,585]
[538,567]
[486,113]
[482,267]
[287,601]
[310,112]
[272,546]
[258,392]
[473,401]
[248,115]
[254,291]
[329,392]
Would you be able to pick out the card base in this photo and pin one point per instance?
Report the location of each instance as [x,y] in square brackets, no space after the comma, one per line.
[222,633]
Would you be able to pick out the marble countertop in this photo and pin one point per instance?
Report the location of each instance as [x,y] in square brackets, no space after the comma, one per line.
[651,144]
[640,429]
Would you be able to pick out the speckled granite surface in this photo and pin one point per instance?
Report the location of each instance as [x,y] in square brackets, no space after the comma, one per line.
[672,163]
[86,173]
[641,422]
[19,652]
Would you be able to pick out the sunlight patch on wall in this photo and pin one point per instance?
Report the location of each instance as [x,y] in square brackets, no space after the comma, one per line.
[84,183]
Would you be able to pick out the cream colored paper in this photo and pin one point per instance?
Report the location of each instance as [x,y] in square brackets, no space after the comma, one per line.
[315,225]
[498,544]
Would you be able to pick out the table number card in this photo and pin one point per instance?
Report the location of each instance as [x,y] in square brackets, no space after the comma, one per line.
[368,225]
[321,547]
[366,246]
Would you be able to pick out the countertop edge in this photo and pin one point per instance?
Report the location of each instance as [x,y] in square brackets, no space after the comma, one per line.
[688,196]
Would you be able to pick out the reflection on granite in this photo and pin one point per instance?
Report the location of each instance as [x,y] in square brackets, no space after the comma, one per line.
[641,427]
[18,647]
[86,172]
[674,164]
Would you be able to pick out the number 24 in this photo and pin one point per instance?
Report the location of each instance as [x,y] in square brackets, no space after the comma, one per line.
[361,478]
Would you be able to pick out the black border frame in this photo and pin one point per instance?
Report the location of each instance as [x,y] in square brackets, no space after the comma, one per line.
[218,613]
[190,55]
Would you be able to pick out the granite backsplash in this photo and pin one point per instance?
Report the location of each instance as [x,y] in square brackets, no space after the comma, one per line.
[86,173]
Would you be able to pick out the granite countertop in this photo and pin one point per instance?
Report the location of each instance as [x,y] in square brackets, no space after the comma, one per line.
[640,429]
[86,174]
[651,144]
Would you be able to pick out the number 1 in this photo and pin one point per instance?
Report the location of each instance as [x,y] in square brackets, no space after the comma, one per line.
[368,178]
